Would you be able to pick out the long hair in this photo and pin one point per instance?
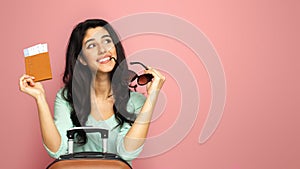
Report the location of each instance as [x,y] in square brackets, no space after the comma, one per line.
[78,78]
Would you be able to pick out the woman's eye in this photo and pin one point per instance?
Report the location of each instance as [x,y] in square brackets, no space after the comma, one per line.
[107,41]
[91,46]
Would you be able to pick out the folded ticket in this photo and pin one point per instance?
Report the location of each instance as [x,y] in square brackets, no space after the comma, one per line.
[36,49]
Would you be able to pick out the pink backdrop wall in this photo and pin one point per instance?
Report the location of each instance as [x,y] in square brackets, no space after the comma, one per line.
[258,45]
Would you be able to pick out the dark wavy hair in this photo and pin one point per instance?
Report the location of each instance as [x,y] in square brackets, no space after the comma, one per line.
[78,78]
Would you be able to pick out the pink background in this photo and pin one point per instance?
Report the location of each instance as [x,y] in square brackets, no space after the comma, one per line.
[258,45]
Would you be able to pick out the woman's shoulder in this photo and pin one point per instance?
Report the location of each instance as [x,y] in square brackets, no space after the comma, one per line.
[62,92]
[61,106]
[61,96]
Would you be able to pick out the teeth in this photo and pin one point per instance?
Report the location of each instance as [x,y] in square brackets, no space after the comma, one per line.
[103,59]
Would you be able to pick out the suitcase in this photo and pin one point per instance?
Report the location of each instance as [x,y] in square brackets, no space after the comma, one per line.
[88,160]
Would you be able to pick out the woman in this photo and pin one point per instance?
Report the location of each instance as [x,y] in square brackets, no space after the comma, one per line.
[96,94]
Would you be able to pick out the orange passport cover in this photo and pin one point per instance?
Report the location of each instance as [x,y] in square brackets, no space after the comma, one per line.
[38,66]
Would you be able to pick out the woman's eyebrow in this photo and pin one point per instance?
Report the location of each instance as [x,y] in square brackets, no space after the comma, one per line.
[93,39]
[104,36]
[89,40]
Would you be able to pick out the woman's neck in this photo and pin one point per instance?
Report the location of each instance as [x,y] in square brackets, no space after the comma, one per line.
[102,85]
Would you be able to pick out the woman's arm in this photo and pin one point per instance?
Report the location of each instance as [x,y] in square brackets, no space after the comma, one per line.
[50,134]
[138,132]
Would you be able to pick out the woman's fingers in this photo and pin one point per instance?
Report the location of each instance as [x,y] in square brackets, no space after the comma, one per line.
[157,81]
[28,86]
[26,81]
[30,82]
[155,73]
[161,76]
[22,82]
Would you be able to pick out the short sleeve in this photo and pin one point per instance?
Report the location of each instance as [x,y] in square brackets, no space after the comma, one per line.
[63,122]
[135,104]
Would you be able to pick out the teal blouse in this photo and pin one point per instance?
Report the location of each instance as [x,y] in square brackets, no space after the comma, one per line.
[63,122]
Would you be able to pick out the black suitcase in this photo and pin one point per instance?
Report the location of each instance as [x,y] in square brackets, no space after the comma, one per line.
[88,160]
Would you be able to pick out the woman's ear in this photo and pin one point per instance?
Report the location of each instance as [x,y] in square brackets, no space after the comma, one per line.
[82,60]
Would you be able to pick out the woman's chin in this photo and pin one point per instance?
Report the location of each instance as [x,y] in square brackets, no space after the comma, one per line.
[106,69]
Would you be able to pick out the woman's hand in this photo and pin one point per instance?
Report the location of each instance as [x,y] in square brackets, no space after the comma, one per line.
[157,81]
[50,133]
[28,86]
[137,134]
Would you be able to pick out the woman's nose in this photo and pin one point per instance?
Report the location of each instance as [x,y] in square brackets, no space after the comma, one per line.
[101,50]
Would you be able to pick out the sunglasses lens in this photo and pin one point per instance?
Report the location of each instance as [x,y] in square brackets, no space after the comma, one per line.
[144,79]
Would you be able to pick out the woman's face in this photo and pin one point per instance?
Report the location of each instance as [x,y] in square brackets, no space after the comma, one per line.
[98,49]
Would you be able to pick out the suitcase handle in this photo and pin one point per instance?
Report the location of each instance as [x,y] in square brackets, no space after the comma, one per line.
[71,133]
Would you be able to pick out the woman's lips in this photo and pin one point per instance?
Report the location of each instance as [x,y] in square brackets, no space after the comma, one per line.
[104,60]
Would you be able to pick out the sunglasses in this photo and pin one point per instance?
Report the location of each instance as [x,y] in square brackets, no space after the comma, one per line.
[142,79]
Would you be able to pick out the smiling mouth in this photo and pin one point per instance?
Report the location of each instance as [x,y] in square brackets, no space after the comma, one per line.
[104,60]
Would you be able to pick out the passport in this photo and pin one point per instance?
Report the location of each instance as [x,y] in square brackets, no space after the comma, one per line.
[37,62]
